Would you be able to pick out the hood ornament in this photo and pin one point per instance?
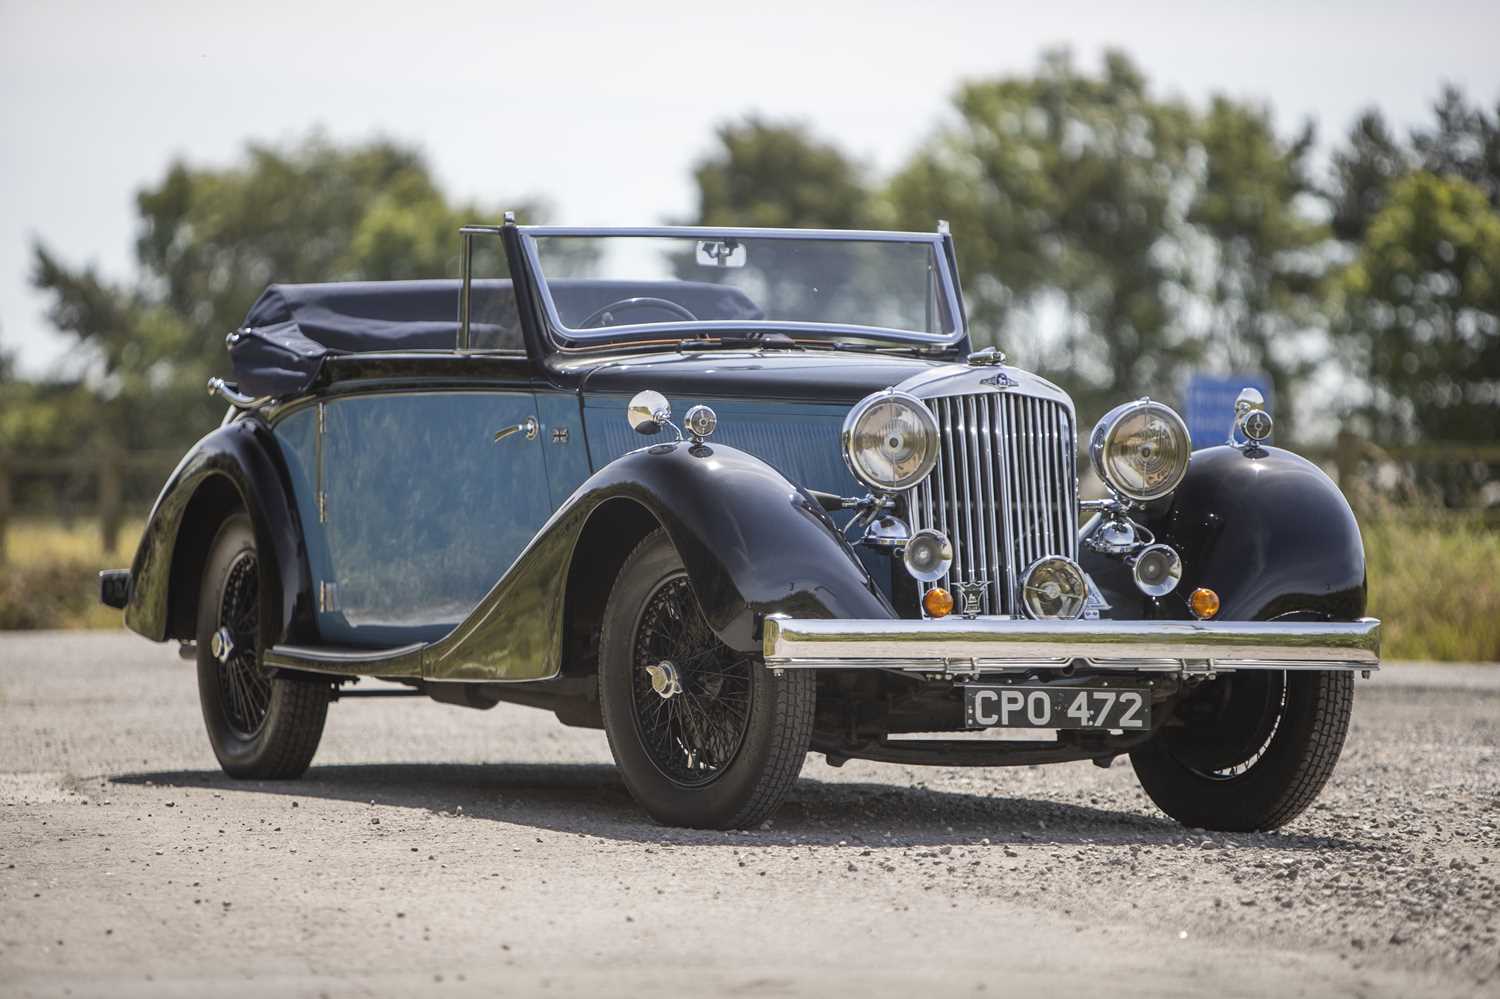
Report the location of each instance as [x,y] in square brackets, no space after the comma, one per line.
[992,357]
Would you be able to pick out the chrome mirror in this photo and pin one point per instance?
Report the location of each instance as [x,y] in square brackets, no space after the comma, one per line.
[648,412]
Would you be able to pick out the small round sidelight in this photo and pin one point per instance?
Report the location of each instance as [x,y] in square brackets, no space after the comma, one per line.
[1157,571]
[701,422]
[1054,588]
[928,555]
[937,602]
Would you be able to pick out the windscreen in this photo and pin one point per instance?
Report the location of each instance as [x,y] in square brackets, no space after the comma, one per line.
[600,284]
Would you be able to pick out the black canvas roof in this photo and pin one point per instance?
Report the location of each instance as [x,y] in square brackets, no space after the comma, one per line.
[292,327]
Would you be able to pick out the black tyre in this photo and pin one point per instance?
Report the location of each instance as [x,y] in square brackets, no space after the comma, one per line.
[260,726]
[1255,749]
[704,736]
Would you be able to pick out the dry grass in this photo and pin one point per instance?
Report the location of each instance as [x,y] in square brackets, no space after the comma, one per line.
[51,577]
[1434,581]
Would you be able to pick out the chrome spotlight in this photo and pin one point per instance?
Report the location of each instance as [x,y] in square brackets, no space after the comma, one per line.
[701,422]
[929,555]
[1158,570]
[1055,587]
[1257,425]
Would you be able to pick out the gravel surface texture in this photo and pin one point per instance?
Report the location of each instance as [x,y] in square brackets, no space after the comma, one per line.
[437,850]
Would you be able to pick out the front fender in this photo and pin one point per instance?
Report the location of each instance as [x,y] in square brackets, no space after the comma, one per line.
[1263,528]
[752,542]
[239,462]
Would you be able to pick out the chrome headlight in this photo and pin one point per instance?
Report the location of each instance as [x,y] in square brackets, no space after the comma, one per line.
[890,441]
[1141,449]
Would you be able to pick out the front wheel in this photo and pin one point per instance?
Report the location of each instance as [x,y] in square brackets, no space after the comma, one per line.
[260,726]
[704,735]
[1254,749]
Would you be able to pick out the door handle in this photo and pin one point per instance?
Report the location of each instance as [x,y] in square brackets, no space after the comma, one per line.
[529,426]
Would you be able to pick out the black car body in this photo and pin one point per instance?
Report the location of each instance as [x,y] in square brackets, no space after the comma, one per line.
[864,540]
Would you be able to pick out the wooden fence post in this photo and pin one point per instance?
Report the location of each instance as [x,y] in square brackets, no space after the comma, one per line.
[4,504]
[111,493]
[1346,459]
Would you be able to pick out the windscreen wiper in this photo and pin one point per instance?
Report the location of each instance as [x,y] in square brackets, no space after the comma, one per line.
[744,338]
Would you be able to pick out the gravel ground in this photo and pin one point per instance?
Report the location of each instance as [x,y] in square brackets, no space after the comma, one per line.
[436,850]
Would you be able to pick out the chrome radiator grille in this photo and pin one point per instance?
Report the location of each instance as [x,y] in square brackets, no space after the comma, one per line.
[1005,490]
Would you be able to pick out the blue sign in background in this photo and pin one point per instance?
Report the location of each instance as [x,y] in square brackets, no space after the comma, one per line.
[1208,404]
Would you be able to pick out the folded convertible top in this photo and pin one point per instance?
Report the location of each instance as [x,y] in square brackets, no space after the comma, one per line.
[291,328]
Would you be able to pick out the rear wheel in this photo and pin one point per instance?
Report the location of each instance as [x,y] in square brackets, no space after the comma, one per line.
[704,735]
[1254,749]
[260,726]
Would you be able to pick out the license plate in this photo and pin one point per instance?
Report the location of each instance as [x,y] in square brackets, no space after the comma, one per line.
[1004,706]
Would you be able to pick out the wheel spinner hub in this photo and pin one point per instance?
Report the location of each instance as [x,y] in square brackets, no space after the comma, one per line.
[221,645]
[664,679]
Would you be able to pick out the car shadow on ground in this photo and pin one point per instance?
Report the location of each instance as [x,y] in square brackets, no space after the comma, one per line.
[590,798]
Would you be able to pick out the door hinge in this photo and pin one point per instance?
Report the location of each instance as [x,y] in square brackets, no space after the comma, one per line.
[328,597]
[322,507]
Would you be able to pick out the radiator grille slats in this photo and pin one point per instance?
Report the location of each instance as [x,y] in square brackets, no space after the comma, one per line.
[1004,490]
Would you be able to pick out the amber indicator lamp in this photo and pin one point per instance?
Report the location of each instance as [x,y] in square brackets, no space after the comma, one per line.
[938,602]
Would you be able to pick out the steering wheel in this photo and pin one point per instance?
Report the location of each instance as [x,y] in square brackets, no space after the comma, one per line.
[604,316]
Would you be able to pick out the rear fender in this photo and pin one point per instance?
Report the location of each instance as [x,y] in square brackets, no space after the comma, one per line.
[237,466]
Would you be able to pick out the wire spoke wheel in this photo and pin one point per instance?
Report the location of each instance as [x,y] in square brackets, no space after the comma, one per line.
[244,685]
[1231,726]
[692,693]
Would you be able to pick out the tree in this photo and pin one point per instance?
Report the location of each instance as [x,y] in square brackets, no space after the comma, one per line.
[1416,309]
[1065,188]
[777,174]
[1464,143]
[1266,257]
[1420,311]
[1362,171]
[208,243]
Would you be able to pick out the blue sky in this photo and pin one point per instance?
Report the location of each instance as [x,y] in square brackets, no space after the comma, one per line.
[602,108]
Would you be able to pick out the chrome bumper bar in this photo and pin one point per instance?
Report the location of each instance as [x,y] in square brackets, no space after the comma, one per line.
[958,646]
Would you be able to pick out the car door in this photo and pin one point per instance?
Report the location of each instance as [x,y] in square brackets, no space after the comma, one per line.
[423,508]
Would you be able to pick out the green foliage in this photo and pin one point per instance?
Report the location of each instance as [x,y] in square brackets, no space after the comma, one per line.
[209,241]
[1421,310]
[777,175]
[1267,262]
[1063,185]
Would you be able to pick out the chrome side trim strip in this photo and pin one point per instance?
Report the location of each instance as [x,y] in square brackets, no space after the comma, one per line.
[790,643]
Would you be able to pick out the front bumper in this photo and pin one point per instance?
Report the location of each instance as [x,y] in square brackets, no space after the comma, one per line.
[965,647]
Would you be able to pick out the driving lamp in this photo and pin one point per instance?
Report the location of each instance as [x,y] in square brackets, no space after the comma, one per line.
[1157,570]
[928,555]
[1141,449]
[1054,587]
[890,441]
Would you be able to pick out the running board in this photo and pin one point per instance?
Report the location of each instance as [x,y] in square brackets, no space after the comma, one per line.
[402,662]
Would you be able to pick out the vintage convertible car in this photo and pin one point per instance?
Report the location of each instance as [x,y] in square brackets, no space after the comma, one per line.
[863,539]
